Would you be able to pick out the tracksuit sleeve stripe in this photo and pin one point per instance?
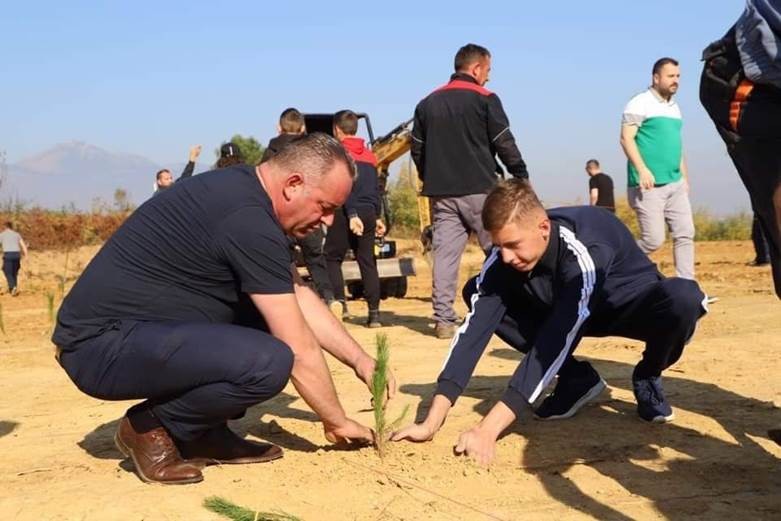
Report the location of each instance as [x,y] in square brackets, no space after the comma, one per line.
[471,339]
[588,274]
[473,301]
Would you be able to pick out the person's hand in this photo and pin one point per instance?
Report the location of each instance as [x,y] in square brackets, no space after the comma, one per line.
[195,151]
[350,432]
[380,228]
[416,432]
[477,444]
[365,370]
[647,179]
[356,226]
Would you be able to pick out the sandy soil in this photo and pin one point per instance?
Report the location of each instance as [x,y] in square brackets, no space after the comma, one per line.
[714,462]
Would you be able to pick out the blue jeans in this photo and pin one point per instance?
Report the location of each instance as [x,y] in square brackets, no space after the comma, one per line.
[11,264]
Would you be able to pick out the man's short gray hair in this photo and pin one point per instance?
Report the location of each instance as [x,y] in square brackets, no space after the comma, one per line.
[313,155]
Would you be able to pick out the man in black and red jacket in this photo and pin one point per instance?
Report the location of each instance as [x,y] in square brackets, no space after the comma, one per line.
[356,224]
[458,130]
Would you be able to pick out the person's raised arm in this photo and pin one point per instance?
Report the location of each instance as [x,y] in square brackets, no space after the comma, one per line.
[310,374]
[195,151]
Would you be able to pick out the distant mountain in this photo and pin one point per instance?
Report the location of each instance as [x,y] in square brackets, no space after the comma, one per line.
[77,172]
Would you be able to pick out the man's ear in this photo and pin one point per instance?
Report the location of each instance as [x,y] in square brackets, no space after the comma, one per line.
[293,186]
[544,226]
[279,129]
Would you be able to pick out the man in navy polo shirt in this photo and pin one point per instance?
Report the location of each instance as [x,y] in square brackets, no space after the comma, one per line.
[194,306]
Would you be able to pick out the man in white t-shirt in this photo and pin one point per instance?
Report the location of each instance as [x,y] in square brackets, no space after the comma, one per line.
[658,184]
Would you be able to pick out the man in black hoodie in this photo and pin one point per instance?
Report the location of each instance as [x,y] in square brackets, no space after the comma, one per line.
[291,126]
[458,130]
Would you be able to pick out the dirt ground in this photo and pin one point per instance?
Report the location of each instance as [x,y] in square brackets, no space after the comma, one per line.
[714,462]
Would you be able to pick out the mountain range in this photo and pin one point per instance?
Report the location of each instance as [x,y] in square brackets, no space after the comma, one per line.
[77,173]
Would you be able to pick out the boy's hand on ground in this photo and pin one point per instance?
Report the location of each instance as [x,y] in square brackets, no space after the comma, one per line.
[350,432]
[416,432]
[477,444]
[356,226]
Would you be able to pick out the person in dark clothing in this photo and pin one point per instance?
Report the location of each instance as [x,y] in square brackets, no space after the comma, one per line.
[600,187]
[552,278]
[229,155]
[194,306]
[164,179]
[761,250]
[291,126]
[458,130]
[740,88]
[356,223]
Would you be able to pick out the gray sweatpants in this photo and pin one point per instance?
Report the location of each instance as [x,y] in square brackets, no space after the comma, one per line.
[453,219]
[666,204]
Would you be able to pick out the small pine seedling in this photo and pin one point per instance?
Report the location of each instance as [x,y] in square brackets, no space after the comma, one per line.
[50,307]
[382,428]
[233,511]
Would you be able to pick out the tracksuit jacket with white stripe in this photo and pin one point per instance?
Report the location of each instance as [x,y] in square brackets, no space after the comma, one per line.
[591,268]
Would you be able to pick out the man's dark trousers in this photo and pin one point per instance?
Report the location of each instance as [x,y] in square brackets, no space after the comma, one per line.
[664,317]
[11,264]
[194,376]
[753,142]
[339,239]
[314,259]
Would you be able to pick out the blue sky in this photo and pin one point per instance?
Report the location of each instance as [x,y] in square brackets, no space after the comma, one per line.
[151,78]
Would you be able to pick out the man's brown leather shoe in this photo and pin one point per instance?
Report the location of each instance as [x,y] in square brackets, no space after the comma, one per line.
[222,445]
[155,455]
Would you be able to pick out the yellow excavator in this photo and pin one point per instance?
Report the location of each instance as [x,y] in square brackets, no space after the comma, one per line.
[393,269]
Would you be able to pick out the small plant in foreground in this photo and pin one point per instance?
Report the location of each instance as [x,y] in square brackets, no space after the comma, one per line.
[382,428]
[232,511]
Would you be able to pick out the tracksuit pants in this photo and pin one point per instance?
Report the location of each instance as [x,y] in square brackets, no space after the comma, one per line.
[192,376]
[12,261]
[664,317]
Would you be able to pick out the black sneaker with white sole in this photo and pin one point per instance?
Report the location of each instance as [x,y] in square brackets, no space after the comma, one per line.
[570,395]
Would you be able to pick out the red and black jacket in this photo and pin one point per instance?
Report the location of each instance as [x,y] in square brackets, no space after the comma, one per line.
[458,130]
[365,193]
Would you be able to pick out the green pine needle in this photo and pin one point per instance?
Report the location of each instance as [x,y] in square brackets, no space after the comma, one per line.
[232,511]
[382,427]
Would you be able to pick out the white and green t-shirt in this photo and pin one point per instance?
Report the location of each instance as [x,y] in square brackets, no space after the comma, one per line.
[658,136]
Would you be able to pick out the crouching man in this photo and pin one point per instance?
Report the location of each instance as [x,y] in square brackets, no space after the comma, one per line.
[193,306]
[551,279]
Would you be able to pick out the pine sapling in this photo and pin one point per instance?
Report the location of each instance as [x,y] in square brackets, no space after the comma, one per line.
[50,307]
[235,512]
[382,428]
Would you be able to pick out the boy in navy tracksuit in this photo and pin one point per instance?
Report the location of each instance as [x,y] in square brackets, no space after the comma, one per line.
[356,223]
[551,279]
